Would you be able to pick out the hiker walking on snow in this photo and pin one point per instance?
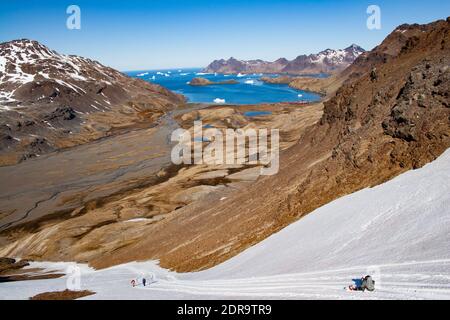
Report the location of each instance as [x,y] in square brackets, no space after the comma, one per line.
[144,281]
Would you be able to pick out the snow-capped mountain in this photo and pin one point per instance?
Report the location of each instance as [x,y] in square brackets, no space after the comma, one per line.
[27,68]
[46,96]
[24,62]
[328,60]
[325,61]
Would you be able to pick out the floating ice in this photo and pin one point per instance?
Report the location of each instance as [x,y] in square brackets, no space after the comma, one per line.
[219,101]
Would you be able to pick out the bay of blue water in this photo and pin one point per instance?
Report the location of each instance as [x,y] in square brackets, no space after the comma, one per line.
[257,113]
[249,90]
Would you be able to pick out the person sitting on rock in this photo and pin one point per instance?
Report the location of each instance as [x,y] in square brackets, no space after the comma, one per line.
[366,283]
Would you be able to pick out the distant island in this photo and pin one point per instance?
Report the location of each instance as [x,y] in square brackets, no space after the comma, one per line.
[327,61]
[198,82]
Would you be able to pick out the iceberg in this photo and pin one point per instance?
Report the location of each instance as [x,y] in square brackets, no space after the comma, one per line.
[219,101]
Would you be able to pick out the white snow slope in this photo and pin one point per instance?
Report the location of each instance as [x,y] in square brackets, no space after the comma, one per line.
[398,232]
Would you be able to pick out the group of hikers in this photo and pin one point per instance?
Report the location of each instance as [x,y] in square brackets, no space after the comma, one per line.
[363,284]
[143,281]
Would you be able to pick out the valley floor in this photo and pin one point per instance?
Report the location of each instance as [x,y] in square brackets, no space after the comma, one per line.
[399,232]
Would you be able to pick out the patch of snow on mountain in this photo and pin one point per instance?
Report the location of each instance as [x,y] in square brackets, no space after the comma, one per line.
[2,64]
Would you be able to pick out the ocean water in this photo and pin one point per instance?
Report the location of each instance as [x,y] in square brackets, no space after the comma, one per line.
[249,90]
[257,113]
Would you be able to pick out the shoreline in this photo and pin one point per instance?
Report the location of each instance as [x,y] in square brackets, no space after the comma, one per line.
[197,80]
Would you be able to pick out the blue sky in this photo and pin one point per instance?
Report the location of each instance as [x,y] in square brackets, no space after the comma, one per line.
[151,34]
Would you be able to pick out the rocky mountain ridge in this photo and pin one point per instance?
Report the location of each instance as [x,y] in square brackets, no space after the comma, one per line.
[327,61]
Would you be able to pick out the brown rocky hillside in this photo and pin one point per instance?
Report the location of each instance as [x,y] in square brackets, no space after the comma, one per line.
[392,115]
